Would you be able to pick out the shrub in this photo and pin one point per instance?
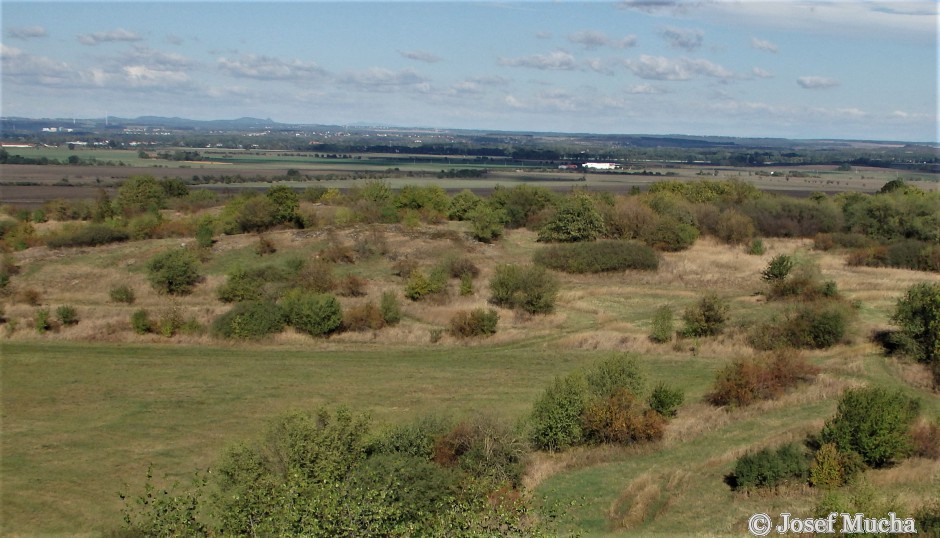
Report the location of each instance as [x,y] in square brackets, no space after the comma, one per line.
[240,286]
[285,201]
[250,320]
[314,314]
[778,268]
[873,422]
[808,326]
[518,204]
[619,371]
[420,286]
[459,266]
[483,448]
[43,321]
[707,317]
[67,315]
[30,296]
[462,204]
[316,276]
[122,294]
[670,234]
[734,228]
[88,235]
[351,286]
[832,468]
[470,323]
[746,381]
[363,317]
[390,308]
[170,322]
[620,418]
[926,439]
[265,246]
[174,272]
[140,322]
[466,285]
[486,223]
[757,247]
[556,415]
[917,314]
[256,214]
[598,257]
[662,329]
[576,219]
[204,233]
[528,288]
[139,194]
[665,400]
[769,468]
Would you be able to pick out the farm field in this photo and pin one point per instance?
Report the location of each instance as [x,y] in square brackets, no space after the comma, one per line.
[87,408]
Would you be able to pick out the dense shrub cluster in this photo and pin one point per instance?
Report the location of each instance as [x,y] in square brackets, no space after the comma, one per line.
[576,218]
[250,320]
[314,314]
[174,272]
[769,468]
[476,322]
[603,405]
[746,381]
[874,423]
[87,235]
[918,315]
[707,317]
[817,325]
[598,257]
[529,288]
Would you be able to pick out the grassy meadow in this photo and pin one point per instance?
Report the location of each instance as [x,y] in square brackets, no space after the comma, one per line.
[87,408]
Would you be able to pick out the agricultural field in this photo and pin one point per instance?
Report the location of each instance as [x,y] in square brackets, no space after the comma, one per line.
[91,398]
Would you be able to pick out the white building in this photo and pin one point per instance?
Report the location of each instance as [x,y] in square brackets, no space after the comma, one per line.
[600,166]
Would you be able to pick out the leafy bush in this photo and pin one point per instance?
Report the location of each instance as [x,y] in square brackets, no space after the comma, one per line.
[351,286]
[917,314]
[286,201]
[873,422]
[140,322]
[619,371]
[576,219]
[67,315]
[670,234]
[416,438]
[88,235]
[734,228]
[476,322]
[421,286]
[662,328]
[597,257]
[314,314]
[174,272]
[483,448]
[390,308]
[316,276]
[256,214]
[240,286]
[769,468]
[665,400]
[458,266]
[250,320]
[556,416]
[122,294]
[778,268]
[43,321]
[833,469]
[756,247]
[363,318]
[462,204]
[707,317]
[746,381]
[518,204]
[486,223]
[529,288]
[620,418]
[808,326]
[139,194]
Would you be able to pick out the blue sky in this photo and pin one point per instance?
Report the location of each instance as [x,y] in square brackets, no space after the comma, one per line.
[799,69]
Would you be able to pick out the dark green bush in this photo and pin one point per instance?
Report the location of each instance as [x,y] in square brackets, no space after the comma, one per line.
[139,194]
[576,219]
[256,214]
[662,329]
[756,247]
[314,314]
[778,268]
[875,423]
[816,325]
[140,322]
[666,400]
[486,223]
[43,321]
[476,322]
[250,320]
[597,257]
[88,235]
[174,272]
[240,286]
[529,288]
[520,203]
[769,468]
[619,371]
[918,315]
[462,204]
[670,234]
[707,317]
[122,294]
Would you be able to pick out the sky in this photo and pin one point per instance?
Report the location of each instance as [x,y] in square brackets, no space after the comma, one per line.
[808,69]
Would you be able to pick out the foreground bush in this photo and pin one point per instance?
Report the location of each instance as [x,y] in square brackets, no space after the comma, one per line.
[707,317]
[174,272]
[875,423]
[918,315]
[556,415]
[529,288]
[808,326]
[746,381]
[620,418]
[363,318]
[476,322]
[770,468]
[314,314]
[576,219]
[122,294]
[598,257]
[249,320]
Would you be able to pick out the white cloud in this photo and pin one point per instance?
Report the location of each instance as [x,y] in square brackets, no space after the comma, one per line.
[683,38]
[762,44]
[22,67]
[817,83]
[27,32]
[645,89]
[655,7]
[761,73]
[555,61]
[118,35]
[593,39]
[661,68]
[382,79]
[420,56]
[267,68]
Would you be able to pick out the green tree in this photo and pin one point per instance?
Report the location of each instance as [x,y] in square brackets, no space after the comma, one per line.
[918,315]
[139,194]
[556,415]
[285,203]
[530,288]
